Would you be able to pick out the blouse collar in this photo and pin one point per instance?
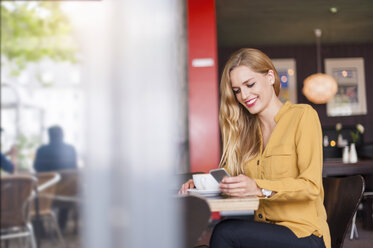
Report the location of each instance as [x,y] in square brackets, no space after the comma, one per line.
[282,111]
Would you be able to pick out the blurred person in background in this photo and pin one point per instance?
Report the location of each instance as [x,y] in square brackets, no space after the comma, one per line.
[57,155]
[9,165]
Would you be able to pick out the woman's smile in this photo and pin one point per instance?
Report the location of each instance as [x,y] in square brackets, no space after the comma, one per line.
[250,103]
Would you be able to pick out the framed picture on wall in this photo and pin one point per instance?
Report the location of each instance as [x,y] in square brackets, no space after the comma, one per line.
[350,98]
[286,69]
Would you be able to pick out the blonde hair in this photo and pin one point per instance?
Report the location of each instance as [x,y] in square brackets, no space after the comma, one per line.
[239,129]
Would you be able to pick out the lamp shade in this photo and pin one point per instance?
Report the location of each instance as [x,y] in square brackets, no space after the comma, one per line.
[319,88]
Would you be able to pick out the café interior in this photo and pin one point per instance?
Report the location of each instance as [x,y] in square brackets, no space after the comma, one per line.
[108,107]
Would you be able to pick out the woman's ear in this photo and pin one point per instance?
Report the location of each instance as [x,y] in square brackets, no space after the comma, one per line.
[271,77]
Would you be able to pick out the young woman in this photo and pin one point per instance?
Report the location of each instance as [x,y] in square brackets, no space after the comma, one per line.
[274,151]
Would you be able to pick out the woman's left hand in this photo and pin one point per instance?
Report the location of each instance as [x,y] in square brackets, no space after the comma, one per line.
[240,186]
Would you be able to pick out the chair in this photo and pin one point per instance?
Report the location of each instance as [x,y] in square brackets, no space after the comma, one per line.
[67,195]
[16,194]
[368,211]
[342,198]
[46,190]
[365,151]
[354,232]
[68,186]
[196,215]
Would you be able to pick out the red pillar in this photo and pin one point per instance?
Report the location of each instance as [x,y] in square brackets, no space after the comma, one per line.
[203,86]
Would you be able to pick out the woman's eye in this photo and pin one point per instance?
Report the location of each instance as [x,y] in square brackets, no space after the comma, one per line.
[236,91]
[250,85]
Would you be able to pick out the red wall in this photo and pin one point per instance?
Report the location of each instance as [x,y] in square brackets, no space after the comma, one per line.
[203,86]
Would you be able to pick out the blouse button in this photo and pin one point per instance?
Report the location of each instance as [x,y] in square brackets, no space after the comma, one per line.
[260,216]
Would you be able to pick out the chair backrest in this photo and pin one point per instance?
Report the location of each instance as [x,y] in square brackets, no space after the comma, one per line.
[16,192]
[46,194]
[69,183]
[67,188]
[342,198]
[196,216]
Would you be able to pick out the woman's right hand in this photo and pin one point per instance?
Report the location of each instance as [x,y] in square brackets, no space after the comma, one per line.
[188,185]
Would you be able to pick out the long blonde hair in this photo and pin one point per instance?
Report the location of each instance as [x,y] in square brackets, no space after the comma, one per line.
[239,129]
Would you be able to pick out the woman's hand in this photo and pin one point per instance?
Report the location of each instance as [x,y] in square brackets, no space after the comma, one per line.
[188,185]
[240,186]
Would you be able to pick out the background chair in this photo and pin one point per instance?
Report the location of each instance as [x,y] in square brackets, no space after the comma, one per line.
[47,182]
[365,151]
[68,186]
[196,215]
[16,193]
[67,197]
[367,196]
[342,198]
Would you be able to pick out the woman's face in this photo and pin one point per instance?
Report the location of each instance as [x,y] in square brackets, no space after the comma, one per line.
[253,90]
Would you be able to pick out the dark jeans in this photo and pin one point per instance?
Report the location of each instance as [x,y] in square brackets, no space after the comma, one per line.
[251,234]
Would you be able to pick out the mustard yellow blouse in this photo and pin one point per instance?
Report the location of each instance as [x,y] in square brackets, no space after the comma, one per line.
[291,165]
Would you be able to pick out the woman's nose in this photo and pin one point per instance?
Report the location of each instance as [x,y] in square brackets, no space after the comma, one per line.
[244,93]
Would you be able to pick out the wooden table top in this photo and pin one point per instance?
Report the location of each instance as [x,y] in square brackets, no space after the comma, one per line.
[335,167]
[233,203]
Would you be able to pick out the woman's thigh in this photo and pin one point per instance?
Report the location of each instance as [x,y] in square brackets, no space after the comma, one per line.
[250,234]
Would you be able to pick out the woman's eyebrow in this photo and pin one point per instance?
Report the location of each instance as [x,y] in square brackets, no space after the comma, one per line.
[246,81]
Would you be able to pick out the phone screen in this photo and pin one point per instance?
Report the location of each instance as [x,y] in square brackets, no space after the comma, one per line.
[219,174]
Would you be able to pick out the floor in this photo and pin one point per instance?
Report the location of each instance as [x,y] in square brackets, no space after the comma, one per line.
[73,239]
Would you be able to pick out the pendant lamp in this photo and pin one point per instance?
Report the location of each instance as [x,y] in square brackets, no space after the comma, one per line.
[319,88]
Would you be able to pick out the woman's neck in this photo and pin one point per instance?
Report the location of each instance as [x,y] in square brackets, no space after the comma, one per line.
[267,117]
[267,120]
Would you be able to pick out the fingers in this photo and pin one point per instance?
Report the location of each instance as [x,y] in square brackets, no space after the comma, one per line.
[227,186]
[239,192]
[188,185]
[235,179]
[234,191]
[183,188]
[237,186]
[233,188]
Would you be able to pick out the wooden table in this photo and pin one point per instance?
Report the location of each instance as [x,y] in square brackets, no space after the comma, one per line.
[335,167]
[218,204]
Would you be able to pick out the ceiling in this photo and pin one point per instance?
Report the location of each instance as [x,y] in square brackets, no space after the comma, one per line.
[290,22]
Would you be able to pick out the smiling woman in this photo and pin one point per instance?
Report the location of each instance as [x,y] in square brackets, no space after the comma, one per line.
[251,75]
[274,151]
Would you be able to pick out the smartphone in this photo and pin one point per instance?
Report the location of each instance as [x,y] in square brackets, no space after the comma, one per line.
[219,174]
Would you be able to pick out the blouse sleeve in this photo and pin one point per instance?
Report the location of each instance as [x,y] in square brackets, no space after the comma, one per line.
[308,143]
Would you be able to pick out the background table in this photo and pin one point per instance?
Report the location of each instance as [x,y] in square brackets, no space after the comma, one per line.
[335,167]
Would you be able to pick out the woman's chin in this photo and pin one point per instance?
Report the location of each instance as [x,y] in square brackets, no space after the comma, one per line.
[253,110]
